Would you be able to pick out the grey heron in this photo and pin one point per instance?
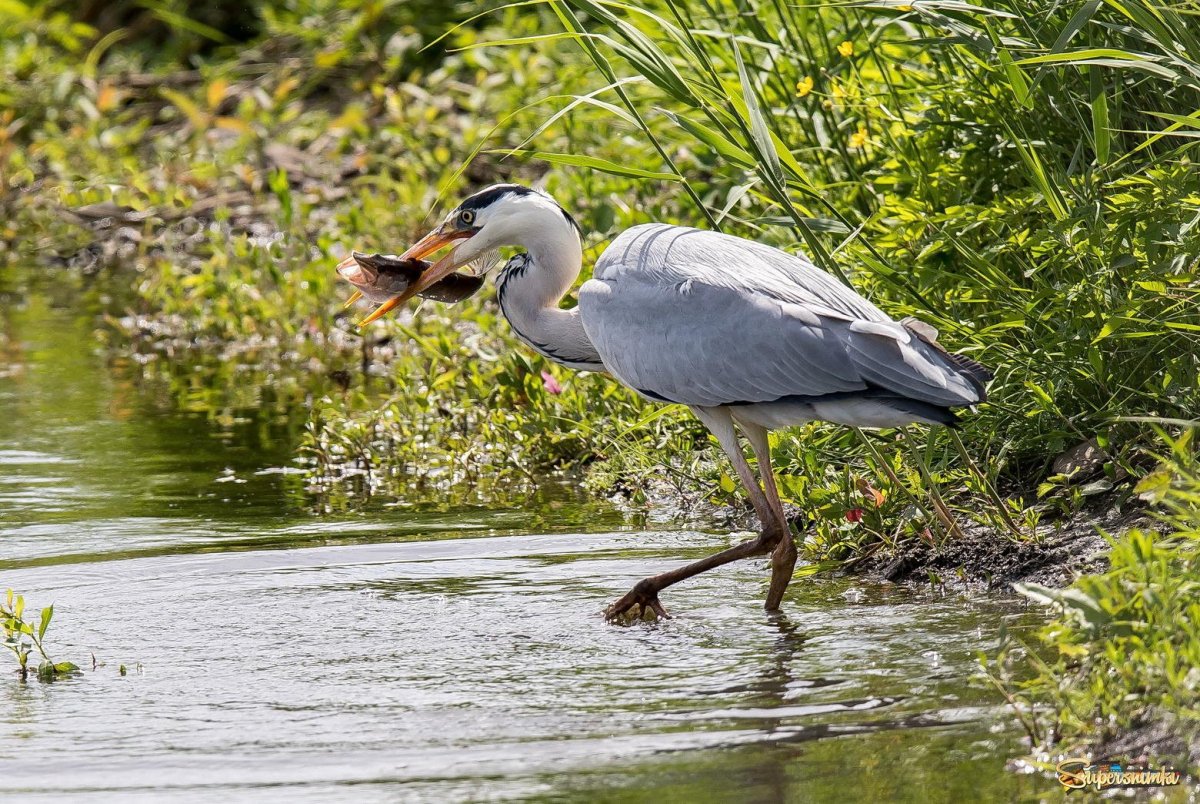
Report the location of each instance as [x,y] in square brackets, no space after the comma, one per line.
[747,336]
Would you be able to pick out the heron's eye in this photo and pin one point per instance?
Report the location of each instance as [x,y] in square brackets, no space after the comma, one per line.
[467,216]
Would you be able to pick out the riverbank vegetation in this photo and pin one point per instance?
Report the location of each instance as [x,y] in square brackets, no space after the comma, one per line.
[1122,666]
[1020,176]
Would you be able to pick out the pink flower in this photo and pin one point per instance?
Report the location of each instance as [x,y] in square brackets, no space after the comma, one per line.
[854,515]
[551,385]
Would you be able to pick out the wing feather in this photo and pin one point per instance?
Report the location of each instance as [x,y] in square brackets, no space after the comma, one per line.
[706,319]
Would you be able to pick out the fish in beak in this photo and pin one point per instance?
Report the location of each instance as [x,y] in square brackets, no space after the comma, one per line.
[379,278]
[431,276]
[390,281]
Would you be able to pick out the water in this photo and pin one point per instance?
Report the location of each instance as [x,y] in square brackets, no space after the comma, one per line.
[426,653]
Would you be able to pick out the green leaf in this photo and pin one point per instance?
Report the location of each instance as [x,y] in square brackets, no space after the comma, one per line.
[1043,397]
[1110,326]
[591,100]
[195,116]
[15,10]
[758,124]
[47,614]
[1016,79]
[731,151]
[1104,57]
[734,197]
[1084,605]
[641,52]
[1179,119]
[1037,171]
[1101,134]
[98,50]
[1085,54]
[789,161]
[1172,130]
[1075,600]
[183,22]
[814,224]
[66,667]
[592,162]
[1037,593]
[1081,18]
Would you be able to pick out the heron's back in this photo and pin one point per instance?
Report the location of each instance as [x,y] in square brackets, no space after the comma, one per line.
[707,319]
[663,254]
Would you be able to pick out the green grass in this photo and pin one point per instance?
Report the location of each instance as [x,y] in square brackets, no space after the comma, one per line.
[989,172]
[256,180]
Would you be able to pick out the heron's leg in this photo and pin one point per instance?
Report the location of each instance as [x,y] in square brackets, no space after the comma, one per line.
[720,422]
[783,558]
[645,593]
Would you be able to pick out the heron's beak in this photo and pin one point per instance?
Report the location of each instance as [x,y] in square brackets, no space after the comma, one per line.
[437,272]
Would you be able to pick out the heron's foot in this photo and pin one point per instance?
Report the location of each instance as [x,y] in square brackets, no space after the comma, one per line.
[639,603]
[783,565]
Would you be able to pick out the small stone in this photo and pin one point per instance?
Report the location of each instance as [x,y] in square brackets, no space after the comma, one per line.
[1081,460]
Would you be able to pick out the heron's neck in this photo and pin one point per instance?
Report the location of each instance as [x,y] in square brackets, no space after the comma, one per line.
[530,291]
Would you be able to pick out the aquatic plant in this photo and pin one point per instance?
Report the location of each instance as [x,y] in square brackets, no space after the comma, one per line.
[23,637]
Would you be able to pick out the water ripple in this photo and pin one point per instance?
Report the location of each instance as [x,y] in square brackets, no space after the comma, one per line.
[445,666]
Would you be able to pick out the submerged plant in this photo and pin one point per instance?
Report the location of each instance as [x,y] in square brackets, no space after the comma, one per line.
[22,637]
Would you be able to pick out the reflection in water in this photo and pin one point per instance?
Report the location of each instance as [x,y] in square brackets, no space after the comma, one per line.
[777,678]
[381,655]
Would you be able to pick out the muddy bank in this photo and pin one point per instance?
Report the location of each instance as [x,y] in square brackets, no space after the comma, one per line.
[988,559]
[984,559]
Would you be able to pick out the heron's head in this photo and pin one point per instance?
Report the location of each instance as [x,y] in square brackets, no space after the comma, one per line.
[500,215]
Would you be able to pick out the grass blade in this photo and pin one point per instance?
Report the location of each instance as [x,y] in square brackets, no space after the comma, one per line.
[590,162]
[758,124]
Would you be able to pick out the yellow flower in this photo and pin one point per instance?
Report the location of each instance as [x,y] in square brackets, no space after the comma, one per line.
[804,86]
[846,49]
[859,138]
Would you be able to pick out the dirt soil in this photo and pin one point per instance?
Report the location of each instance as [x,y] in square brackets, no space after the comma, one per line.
[988,559]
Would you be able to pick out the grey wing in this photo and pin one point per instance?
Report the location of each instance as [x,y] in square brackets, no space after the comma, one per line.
[664,254]
[700,342]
